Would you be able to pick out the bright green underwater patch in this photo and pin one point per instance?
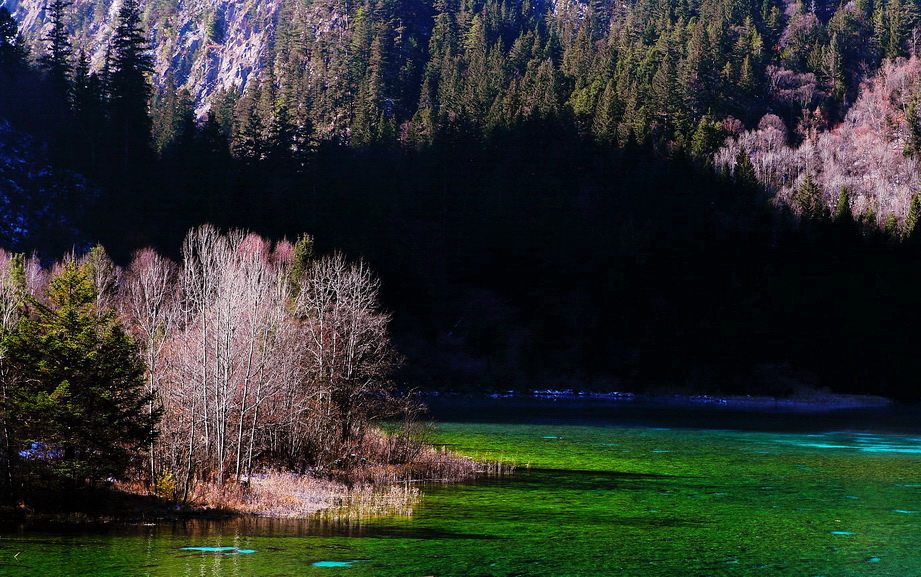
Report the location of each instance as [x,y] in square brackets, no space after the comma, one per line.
[584,501]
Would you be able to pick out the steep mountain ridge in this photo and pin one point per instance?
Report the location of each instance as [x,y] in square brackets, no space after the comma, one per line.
[199,45]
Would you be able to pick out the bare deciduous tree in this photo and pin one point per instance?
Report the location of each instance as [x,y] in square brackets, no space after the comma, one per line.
[148,304]
[350,353]
[865,154]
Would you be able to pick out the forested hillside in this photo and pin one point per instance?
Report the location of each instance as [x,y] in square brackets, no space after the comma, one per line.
[379,70]
[719,195]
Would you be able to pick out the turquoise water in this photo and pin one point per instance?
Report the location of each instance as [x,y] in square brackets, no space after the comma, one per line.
[586,500]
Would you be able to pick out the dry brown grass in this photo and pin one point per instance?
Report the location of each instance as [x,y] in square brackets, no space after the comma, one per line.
[381,479]
[284,494]
[362,491]
[417,462]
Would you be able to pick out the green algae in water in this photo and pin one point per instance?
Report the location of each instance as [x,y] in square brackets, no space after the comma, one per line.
[720,503]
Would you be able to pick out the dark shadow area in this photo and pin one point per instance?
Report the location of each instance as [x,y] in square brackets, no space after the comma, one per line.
[677,415]
[530,256]
[85,506]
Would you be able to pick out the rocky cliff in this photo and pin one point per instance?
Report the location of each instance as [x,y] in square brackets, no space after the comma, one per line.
[202,45]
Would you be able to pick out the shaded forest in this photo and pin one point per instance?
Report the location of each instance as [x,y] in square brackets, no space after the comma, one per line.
[554,195]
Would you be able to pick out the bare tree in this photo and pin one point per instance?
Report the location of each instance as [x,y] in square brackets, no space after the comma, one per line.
[230,354]
[104,275]
[250,364]
[865,154]
[148,304]
[351,358]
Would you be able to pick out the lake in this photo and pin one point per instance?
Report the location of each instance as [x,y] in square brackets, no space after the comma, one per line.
[602,488]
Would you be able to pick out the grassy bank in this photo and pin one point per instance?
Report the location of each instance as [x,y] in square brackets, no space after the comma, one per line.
[366,488]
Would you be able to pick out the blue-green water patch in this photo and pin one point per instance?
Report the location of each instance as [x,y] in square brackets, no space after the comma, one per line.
[858,442]
[333,563]
[224,550]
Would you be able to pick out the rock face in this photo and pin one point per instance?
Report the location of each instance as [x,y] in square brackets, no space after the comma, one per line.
[201,45]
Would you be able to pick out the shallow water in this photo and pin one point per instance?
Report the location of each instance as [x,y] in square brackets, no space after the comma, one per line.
[588,499]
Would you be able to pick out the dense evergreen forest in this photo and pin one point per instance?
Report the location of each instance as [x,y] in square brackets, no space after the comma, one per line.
[566,194]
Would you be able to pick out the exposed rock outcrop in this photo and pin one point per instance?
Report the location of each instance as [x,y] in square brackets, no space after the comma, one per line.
[202,45]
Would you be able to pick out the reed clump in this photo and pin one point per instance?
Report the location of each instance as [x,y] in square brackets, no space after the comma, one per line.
[284,494]
[389,459]
[381,475]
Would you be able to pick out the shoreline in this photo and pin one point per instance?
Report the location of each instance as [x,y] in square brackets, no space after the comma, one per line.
[808,401]
[273,497]
[359,493]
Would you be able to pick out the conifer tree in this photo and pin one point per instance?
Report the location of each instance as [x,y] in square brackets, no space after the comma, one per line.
[14,52]
[128,89]
[604,126]
[173,118]
[56,61]
[891,229]
[911,232]
[81,402]
[808,201]
[706,139]
[913,119]
[845,225]
[12,291]
[843,214]
[744,173]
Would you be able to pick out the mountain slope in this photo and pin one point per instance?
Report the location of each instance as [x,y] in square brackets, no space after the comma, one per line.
[39,203]
[202,45]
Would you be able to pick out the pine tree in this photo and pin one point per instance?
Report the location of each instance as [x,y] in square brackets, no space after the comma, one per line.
[706,139]
[14,53]
[12,291]
[304,256]
[744,173]
[173,118]
[911,232]
[913,119]
[249,130]
[843,214]
[81,403]
[56,61]
[604,126]
[808,201]
[128,89]
[89,113]
[845,224]
[891,229]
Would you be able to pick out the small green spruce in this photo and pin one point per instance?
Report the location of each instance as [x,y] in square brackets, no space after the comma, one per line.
[910,232]
[81,398]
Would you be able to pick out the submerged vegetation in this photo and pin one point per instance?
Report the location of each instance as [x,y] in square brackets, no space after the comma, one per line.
[598,499]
